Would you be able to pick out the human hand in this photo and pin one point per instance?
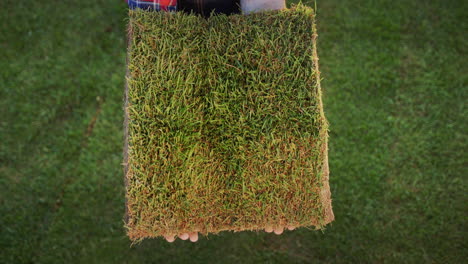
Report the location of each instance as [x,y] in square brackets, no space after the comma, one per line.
[193,236]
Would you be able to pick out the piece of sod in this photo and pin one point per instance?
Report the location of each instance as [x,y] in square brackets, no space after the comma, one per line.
[224,125]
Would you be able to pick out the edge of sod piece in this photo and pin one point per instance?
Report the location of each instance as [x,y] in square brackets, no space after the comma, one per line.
[325,194]
[125,126]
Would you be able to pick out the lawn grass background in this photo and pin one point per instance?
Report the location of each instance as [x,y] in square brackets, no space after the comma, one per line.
[395,87]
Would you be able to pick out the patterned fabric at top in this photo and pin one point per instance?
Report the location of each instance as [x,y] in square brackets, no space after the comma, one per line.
[157,5]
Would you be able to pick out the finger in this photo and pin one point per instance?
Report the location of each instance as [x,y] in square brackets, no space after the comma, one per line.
[193,236]
[184,236]
[278,230]
[170,239]
[291,228]
[269,229]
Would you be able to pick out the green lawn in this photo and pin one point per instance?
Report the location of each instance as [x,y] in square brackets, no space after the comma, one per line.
[395,86]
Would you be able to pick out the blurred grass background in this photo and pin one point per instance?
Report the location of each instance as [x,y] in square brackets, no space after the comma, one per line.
[395,88]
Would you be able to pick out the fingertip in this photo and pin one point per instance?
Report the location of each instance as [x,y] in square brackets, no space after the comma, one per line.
[278,230]
[269,229]
[184,236]
[291,228]
[194,236]
[170,239]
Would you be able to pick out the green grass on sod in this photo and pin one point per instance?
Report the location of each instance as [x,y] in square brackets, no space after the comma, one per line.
[226,129]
